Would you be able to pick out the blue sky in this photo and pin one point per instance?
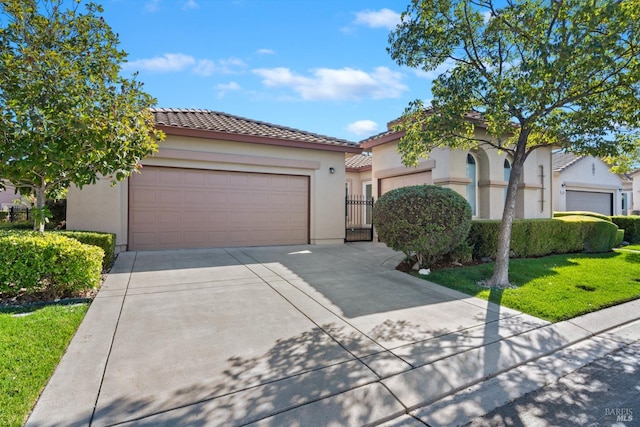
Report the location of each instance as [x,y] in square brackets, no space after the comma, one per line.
[319,66]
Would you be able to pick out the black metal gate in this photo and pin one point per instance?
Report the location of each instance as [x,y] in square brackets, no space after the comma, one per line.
[358,213]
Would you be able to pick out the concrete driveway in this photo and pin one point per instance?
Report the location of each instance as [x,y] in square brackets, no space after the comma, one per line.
[295,335]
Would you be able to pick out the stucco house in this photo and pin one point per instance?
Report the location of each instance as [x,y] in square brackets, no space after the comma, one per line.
[480,175]
[586,183]
[635,191]
[222,180]
[8,197]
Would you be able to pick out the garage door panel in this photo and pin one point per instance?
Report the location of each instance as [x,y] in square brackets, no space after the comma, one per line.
[169,197]
[216,179]
[195,178]
[195,198]
[589,201]
[168,177]
[239,180]
[181,208]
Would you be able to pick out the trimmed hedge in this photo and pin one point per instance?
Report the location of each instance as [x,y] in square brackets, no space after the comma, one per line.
[106,241]
[540,237]
[582,213]
[597,234]
[630,225]
[423,221]
[47,262]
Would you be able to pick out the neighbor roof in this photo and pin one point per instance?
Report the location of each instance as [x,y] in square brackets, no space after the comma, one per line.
[562,160]
[213,124]
[359,161]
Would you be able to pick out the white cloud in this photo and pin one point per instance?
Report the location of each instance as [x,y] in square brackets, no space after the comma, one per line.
[223,89]
[190,4]
[232,62]
[266,51]
[169,62]
[363,127]
[337,84]
[229,86]
[176,62]
[205,67]
[152,6]
[383,18]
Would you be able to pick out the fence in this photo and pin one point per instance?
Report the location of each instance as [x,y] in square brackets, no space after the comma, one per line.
[358,214]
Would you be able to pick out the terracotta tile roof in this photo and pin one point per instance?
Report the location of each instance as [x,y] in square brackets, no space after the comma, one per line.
[358,161]
[391,135]
[562,160]
[226,123]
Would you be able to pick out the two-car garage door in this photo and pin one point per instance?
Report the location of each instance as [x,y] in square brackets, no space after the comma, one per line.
[191,208]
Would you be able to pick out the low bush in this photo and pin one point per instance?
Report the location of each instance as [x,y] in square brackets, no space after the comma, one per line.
[540,237]
[423,221]
[17,225]
[47,262]
[630,225]
[106,241]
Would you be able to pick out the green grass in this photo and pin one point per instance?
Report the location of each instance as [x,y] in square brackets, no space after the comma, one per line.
[631,247]
[556,287]
[31,345]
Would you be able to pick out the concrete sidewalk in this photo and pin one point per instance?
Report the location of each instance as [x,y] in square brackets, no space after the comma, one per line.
[305,335]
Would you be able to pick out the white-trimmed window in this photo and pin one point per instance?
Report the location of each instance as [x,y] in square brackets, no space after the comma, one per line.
[472,187]
[507,174]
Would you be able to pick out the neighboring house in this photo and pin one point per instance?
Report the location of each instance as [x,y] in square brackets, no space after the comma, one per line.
[480,175]
[586,183]
[8,197]
[220,180]
[635,191]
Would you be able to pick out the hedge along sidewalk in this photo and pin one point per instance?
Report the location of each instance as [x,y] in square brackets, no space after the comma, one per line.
[557,287]
[56,265]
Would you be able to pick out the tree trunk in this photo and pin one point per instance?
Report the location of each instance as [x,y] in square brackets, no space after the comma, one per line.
[500,277]
[39,217]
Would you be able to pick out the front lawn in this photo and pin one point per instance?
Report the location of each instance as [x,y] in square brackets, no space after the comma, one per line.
[32,341]
[556,287]
[632,247]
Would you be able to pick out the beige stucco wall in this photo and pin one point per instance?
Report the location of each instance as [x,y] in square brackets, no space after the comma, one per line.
[587,174]
[356,181]
[449,169]
[99,207]
[104,208]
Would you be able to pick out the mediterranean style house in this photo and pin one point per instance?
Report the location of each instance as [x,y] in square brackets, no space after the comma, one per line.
[480,175]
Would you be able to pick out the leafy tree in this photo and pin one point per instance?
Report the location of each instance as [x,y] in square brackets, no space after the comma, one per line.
[559,73]
[66,115]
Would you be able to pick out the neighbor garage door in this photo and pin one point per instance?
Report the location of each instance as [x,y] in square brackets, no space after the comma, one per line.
[590,201]
[191,208]
[388,184]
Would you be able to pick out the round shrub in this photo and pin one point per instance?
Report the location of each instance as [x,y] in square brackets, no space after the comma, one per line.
[423,221]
